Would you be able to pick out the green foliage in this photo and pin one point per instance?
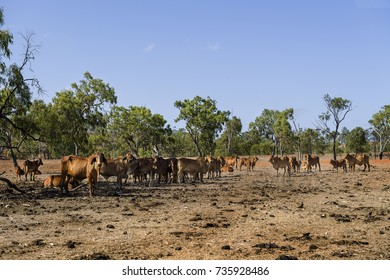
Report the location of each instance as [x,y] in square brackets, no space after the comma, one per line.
[203,122]
[380,125]
[357,142]
[336,108]
[138,130]
[6,39]
[274,125]
[228,143]
[77,113]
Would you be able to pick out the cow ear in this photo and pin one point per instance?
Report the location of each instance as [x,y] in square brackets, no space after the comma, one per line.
[93,160]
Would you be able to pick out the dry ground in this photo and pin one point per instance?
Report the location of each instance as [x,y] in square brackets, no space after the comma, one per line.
[243,215]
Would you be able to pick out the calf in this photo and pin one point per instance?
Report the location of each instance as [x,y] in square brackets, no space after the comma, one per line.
[340,163]
[31,167]
[18,172]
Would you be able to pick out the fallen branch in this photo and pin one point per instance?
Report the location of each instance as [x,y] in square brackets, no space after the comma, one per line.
[10,184]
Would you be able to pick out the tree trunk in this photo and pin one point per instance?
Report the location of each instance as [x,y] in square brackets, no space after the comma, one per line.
[13,157]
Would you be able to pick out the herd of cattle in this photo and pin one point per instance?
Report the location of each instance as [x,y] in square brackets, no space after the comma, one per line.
[74,169]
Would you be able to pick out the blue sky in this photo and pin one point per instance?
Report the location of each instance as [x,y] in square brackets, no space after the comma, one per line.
[246,55]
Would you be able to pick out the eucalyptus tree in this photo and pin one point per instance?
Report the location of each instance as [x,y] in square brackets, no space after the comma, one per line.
[78,112]
[274,125]
[380,125]
[357,141]
[16,90]
[203,122]
[337,108]
[228,142]
[139,131]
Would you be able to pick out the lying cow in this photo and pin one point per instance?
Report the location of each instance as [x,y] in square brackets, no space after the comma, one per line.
[340,163]
[81,168]
[54,181]
[359,160]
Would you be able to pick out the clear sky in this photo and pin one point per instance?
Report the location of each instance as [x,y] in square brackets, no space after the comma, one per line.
[246,55]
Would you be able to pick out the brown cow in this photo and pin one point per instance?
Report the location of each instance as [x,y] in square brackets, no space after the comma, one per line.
[18,172]
[162,167]
[54,181]
[359,160]
[312,161]
[338,164]
[193,167]
[243,161]
[118,167]
[81,168]
[251,163]
[231,161]
[280,162]
[214,167]
[31,167]
[295,165]
[227,168]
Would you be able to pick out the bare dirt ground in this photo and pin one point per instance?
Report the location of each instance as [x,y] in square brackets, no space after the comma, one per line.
[243,215]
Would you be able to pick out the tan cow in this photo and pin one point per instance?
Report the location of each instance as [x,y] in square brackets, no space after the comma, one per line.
[31,167]
[280,162]
[312,161]
[243,161]
[193,167]
[359,160]
[227,168]
[340,163]
[81,168]
[231,161]
[252,163]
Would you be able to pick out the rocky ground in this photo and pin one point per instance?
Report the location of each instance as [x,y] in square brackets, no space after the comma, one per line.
[243,215]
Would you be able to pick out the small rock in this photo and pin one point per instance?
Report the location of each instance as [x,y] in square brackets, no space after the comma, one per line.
[110,226]
[226,247]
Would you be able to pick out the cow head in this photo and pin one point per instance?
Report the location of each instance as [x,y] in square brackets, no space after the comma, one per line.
[98,159]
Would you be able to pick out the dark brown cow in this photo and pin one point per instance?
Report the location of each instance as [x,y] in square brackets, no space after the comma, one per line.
[31,167]
[81,168]
[359,160]
[312,161]
[295,165]
[162,167]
